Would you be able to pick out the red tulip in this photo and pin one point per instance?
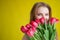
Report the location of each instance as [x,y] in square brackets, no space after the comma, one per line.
[28,26]
[30,32]
[24,29]
[34,24]
[33,29]
[42,20]
[37,21]
[53,20]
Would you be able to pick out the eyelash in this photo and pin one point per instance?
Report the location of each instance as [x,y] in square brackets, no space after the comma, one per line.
[46,14]
[41,14]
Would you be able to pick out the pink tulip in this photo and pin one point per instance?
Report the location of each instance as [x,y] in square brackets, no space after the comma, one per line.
[24,29]
[37,21]
[28,26]
[30,32]
[33,29]
[33,23]
[53,20]
[42,20]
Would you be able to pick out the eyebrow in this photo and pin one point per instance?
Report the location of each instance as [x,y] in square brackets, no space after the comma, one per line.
[39,13]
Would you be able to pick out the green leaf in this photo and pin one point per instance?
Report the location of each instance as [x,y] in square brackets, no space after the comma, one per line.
[53,35]
[40,35]
[36,35]
[46,35]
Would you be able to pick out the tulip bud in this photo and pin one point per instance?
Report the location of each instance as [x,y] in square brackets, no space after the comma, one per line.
[28,26]
[53,20]
[42,20]
[30,32]
[34,24]
[37,21]
[24,29]
[33,29]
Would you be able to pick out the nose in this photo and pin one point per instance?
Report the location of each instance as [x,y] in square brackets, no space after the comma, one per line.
[44,17]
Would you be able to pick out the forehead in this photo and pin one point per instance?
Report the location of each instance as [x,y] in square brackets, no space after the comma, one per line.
[43,10]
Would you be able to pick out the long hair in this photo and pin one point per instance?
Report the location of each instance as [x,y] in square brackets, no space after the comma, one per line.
[35,7]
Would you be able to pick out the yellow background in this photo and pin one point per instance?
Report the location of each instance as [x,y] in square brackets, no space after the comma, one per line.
[14,13]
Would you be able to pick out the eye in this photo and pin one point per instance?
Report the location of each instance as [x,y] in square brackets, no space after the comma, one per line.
[39,14]
[46,14]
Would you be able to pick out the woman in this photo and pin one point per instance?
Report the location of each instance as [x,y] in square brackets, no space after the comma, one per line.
[38,11]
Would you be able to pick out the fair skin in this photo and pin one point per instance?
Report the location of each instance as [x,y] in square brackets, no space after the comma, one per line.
[42,12]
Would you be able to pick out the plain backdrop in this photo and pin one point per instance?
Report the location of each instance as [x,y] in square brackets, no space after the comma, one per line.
[15,13]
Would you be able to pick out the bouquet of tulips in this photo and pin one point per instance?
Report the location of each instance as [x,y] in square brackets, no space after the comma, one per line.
[40,29]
